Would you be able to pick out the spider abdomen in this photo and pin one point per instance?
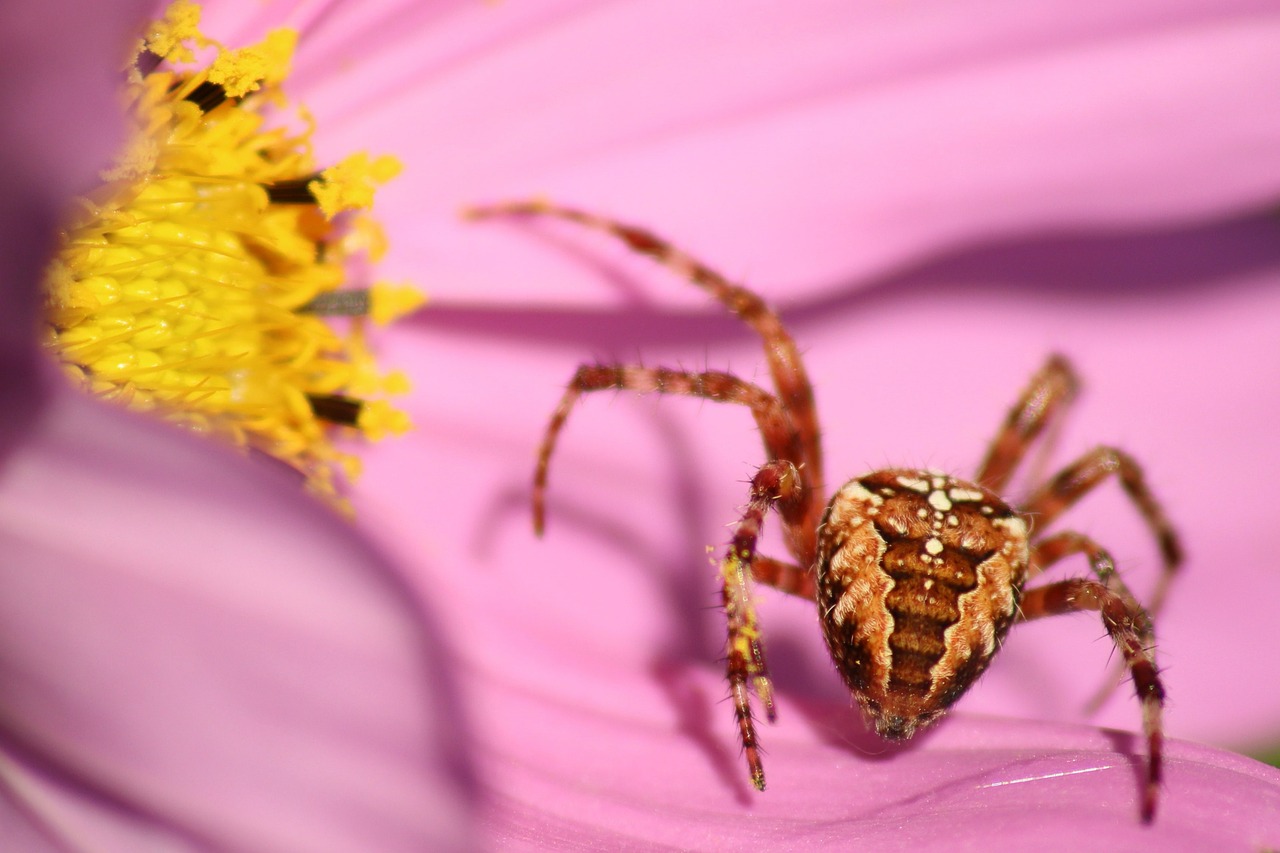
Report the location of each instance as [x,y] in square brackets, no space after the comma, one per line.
[918,578]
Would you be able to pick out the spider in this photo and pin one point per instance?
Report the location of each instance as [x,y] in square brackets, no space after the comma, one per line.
[917,575]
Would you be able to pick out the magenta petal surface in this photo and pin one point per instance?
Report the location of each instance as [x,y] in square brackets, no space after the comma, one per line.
[194,657]
[62,62]
[805,144]
[973,784]
[937,202]
[59,120]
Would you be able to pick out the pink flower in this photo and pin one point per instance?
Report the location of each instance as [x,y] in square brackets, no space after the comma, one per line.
[193,655]
[937,198]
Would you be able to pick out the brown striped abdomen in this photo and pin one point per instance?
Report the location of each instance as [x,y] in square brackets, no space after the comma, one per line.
[918,579]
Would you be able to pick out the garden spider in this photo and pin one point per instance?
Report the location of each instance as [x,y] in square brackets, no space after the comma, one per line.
[917,575]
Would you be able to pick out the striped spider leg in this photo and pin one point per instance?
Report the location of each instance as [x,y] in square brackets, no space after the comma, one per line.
[1130,626]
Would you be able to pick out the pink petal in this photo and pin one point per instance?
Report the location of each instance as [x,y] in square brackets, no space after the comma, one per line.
[191,654]
[918,372]
[972,784]
[809,148]
[60,62]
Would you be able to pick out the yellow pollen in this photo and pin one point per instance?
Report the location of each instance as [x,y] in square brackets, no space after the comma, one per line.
[200,280]
[350,184]
[391,302]
[173,35]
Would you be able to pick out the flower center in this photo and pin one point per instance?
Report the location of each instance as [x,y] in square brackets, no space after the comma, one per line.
[203,279]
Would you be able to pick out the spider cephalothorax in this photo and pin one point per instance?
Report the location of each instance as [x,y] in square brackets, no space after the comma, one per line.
[917,575]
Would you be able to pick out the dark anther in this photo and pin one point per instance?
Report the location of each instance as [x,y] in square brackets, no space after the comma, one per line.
[335,408]
[339,303]
[207,96]
[292,191]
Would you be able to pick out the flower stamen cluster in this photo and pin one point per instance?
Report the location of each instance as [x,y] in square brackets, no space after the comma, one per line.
[207,278]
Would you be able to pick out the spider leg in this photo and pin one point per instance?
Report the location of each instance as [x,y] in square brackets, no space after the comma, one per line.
[1051,549]
[1130,629]
[785,365]
[1085,474]
[781,441]
[1073,483]
[776,484]
[785,577]
[1042,403]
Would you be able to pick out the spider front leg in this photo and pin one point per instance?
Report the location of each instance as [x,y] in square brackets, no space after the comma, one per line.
[783,356]
[781,439]
[1130,629]
[785,577]
[776,484]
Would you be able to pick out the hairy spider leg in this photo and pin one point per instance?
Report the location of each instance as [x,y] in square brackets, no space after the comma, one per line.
[781,441]
[785,577]
[1050,550]
[776,484]
[1077,480]
[785,365]
[1045,399]
[1130,629]
[1085,474]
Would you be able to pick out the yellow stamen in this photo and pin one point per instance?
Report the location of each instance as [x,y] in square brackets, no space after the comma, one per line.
[184,281]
